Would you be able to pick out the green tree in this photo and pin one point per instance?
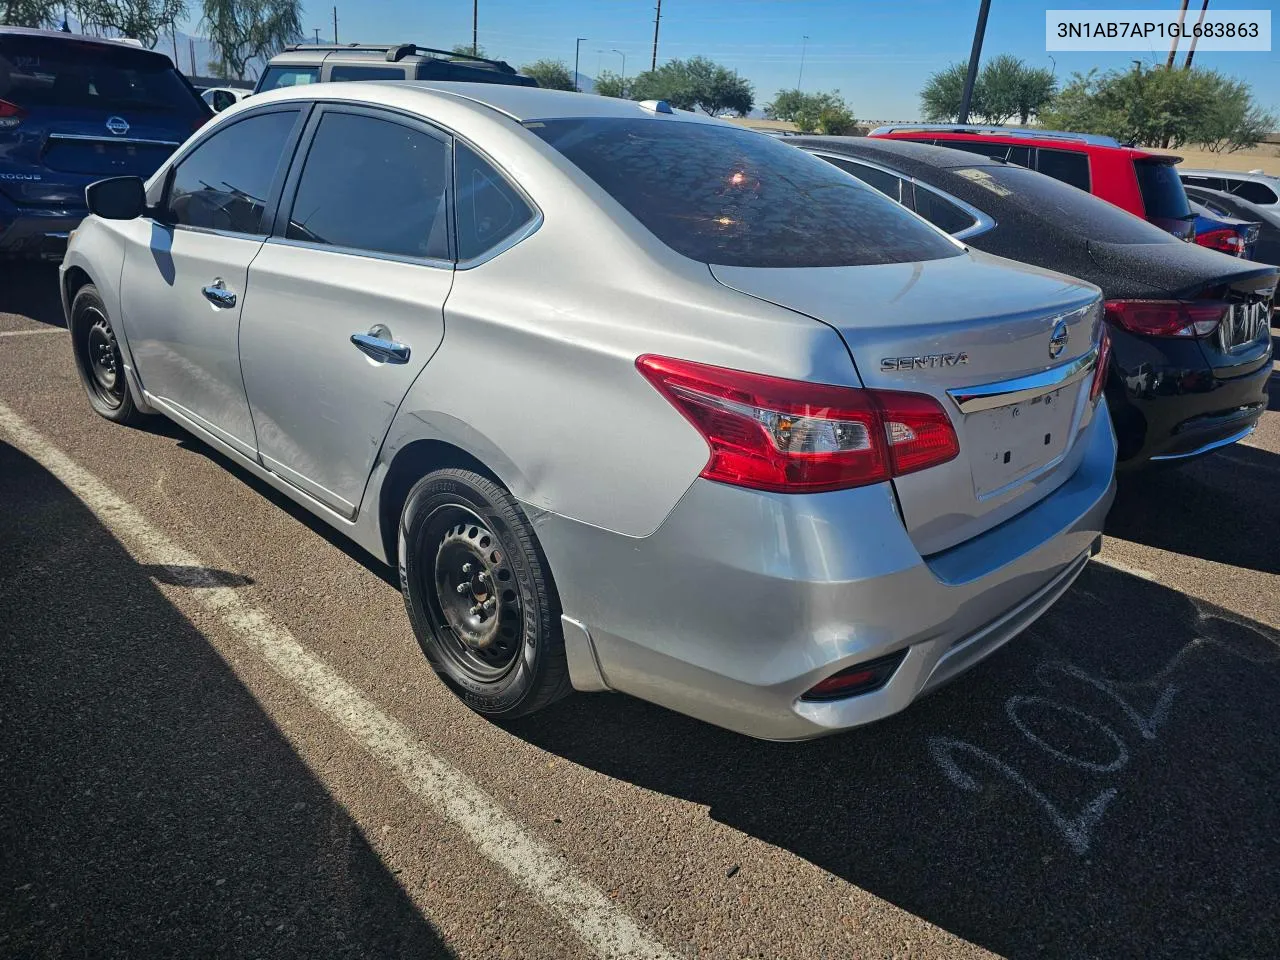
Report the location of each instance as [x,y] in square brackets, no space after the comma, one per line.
[1036,89]
[1001,78]
[30,13]
[943,91]
[825,113]
[1233,121]
[143,20]
[243,30]
[786,104]
[696,83]
[551,74]
[610,84]
[1006,87]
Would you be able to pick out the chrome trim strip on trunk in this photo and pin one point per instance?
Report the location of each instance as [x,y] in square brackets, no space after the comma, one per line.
[988,396]
[132,140]
[1224,442]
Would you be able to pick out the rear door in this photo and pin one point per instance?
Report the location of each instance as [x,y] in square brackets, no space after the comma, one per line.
[85,111]
[184,281]
[347,302]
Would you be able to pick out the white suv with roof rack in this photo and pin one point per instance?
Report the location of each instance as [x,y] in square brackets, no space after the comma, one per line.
[305,63]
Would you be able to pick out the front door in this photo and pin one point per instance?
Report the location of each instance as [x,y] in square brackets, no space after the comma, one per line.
[348,297]
[185,278]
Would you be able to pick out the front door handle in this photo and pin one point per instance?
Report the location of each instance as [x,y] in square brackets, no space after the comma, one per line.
[381,349]
[218,294]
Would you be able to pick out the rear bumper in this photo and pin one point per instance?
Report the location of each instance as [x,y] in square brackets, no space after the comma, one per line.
[1168,405]
[34,233]
[742,601]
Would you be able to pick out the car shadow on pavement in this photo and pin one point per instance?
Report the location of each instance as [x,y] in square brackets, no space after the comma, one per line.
[151,808]
[31,290]
[1215,508]
[1104,786]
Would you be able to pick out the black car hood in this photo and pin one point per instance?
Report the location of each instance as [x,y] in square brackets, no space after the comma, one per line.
[1178,270]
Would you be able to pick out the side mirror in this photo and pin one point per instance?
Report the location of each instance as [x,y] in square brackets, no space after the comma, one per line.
[120,198]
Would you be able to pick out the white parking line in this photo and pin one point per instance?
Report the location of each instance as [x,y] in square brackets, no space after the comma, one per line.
[605,928]
[30,333]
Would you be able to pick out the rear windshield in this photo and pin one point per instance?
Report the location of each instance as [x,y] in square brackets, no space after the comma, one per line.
[35,72]
[1062,205]
[1162,193]
[728,196]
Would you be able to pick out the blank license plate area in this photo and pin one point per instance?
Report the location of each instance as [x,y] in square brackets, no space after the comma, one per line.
[1012,441]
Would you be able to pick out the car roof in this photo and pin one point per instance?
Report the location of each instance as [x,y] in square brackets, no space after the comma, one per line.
[1266,178]
[901,153]
[1058,141]
[519,103]
[80,38]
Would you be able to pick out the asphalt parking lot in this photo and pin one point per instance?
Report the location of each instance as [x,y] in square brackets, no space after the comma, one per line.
[219,738]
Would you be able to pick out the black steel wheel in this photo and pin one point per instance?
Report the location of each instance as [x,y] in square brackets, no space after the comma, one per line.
[98,359]
[480,596]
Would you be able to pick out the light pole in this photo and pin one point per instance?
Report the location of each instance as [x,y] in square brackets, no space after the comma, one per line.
[475,23]
[975,54]
[317,30]
[624,70]
[803,47]
[577,49]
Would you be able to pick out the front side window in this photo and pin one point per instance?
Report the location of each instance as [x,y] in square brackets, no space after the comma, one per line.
[224,182]
[1253,191]
[1065,165]
[489,209]
[288,77]
[726,195]
[886,183]
[353,72]
[375,185]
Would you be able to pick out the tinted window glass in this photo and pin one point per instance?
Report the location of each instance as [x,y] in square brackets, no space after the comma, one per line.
[288,77]
[942,213]
[886,183]
[725,195]
[38,73]
[366,73]
[999,151]
[1253,191]
[1162,193]
[488,208]
[1066,207]
[1065,165]
[1213,183]
[224,182]
[373,185]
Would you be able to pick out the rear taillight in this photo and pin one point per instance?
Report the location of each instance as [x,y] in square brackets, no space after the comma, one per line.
[860,678]
[1167,318]
[1100,370]
[1224,241]
[10,115]
[791,436]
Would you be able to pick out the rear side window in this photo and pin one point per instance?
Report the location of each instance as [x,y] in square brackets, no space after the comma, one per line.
[224,182]
[375,185]
[35,72]
[288,76]
[939,211]
[1253,191]
[886,183]
[353,72]
[1211,183]
[1070,209]
[725,195]
[999,151]
[1162,194]
[489,209]
[1065,165]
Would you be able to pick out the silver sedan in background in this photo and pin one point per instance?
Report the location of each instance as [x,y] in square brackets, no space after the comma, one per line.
[633,399]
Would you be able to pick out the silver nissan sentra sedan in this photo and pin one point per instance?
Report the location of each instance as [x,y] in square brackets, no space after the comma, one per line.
[635,399]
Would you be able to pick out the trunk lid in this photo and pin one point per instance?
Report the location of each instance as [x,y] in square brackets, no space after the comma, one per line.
[974,333]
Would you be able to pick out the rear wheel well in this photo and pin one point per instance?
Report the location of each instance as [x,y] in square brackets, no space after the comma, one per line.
[409,466]
[72,281]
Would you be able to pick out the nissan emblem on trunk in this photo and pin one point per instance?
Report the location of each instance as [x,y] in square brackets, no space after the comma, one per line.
[1058,341]
[117,126]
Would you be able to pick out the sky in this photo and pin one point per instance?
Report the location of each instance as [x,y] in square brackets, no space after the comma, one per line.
[877,53]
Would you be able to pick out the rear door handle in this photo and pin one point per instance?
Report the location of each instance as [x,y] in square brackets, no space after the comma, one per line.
[380,349]
[218,294]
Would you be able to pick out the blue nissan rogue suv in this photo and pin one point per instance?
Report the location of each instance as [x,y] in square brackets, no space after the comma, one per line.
[73,110]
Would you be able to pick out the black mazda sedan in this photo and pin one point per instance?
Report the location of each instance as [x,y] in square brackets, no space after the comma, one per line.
[1190,327]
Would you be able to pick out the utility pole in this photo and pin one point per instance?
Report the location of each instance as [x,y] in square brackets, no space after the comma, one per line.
[1191,52]
[803,47]
[317,30]
[475,24]
[1173,47]
[191,48]
[173,32]
[335,26]
[975,54]
[577,48]
[657,20]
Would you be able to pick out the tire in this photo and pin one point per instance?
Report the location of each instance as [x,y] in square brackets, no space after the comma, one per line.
[480,595]
[98,359]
